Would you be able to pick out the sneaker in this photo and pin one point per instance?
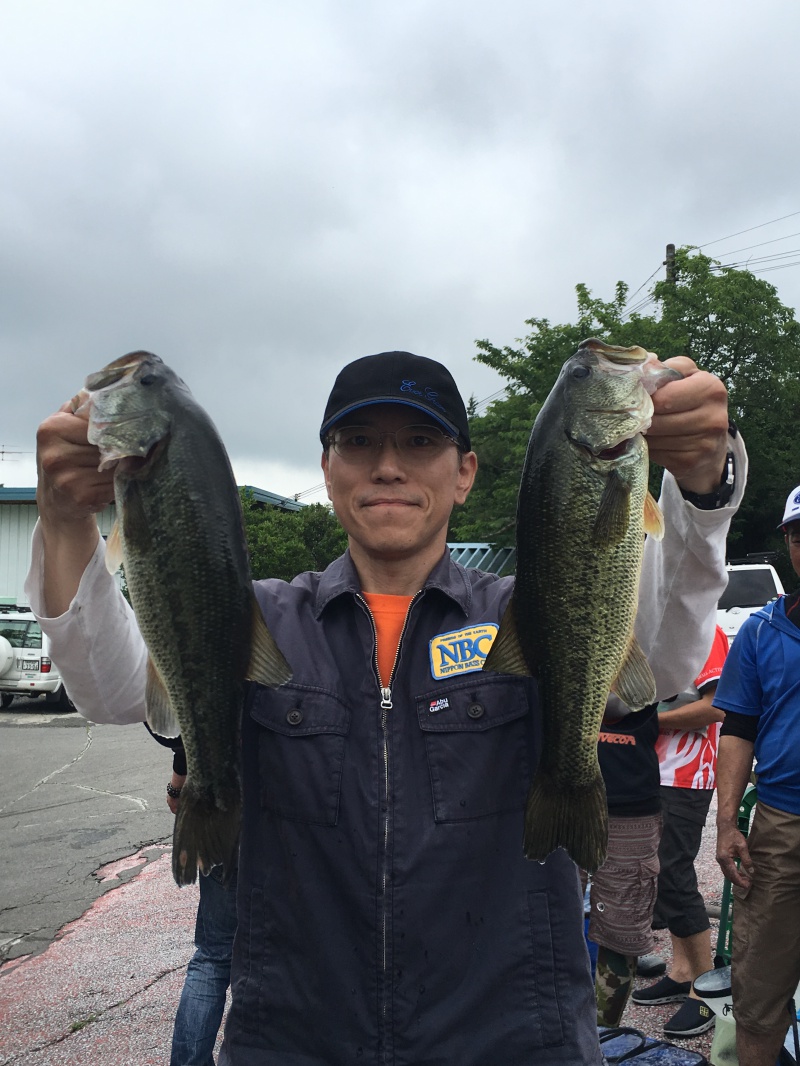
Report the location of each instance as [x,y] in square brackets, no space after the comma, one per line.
[664,991]
[650,966]
[692,1018]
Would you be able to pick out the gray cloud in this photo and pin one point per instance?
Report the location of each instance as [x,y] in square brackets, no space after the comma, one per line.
[261,191]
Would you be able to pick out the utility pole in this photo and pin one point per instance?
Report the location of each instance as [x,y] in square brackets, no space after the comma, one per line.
[669,263]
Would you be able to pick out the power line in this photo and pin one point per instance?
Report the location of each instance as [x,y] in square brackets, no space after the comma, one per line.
[748,230]
[642,286]
[640,306]
[748,247]
[488,399]
[308,492]
[745,263]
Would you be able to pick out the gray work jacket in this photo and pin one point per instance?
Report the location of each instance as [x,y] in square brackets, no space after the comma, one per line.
[386,911]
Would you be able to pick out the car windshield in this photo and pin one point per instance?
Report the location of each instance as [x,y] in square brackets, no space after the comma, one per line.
[21,634]
[748,588]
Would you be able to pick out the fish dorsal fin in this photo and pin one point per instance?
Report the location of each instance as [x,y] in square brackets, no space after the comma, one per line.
[505,655]
[160,716]
[611,521]
[267,664]
[114,549]
[635,684]
[653,518]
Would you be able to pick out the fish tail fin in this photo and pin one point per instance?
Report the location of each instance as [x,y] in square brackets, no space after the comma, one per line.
[576,820]
[206,832]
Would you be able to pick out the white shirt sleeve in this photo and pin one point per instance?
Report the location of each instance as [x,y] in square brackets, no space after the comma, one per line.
[683,577]
[102,657]
[96,643]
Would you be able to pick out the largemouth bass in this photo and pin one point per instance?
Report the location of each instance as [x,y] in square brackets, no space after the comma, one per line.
[582,514]
[180,535]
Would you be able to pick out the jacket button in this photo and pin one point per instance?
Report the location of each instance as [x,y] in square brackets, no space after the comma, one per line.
[295,716]
[475,710]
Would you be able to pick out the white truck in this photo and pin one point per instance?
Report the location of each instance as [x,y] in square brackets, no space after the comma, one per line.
[26,668]
[752,582]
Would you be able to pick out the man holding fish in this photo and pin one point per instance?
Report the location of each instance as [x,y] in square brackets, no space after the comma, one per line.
[386,910]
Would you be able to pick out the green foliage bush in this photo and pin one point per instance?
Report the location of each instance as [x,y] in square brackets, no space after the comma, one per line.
[728,321]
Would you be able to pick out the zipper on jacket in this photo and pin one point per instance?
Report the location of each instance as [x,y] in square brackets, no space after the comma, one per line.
[385,706]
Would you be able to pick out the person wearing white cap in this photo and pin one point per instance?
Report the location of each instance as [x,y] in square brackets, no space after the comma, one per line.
[791,512]
[760,693]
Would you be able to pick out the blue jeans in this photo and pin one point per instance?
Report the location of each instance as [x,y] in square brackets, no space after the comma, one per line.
[208,975]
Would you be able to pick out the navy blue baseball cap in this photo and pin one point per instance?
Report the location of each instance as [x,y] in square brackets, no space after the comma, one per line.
[398,377]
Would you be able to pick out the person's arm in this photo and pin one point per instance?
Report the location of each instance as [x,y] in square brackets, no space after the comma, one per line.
[176,783]
[93,635]
[734,766]
[683,575]
[691,716]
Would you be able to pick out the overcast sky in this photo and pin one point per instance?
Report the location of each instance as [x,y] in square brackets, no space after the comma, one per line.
[261,191]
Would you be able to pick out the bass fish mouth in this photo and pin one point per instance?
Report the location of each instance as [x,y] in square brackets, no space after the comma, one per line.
[609,453]
[115,372]
[616,451]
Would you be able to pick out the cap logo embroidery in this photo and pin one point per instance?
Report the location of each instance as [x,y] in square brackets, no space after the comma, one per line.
[429,394]
[461,651]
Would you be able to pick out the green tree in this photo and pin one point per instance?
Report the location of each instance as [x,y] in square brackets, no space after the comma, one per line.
[729,321]
[285,543]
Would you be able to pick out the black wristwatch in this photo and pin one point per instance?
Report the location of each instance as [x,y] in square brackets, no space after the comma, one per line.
[721,496]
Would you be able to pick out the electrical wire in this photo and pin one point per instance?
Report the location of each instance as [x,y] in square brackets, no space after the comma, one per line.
[627,304]
[488,399]
[749,247]
[308,492]
[748,230]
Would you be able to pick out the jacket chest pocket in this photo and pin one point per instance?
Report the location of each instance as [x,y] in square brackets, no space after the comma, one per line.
[300,752]
[476,741]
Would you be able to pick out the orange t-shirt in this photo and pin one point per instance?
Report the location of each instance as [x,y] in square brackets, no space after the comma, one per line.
[389,613]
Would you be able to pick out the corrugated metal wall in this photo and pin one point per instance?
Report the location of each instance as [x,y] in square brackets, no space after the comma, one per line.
[16,527]
[486,557]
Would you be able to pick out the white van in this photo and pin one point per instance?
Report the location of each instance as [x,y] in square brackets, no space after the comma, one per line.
[750,586]
[25,665]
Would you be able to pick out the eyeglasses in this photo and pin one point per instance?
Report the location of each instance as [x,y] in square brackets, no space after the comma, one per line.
[415,444]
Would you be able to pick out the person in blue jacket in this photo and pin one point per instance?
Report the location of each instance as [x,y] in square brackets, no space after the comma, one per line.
[760,693]
[386,913]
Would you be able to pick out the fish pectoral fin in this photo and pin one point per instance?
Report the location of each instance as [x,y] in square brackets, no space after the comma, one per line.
[160,716]
[114,549]
[635,684]
[653,518]
[611,521]
[505,655]
[267,664]
[134,518]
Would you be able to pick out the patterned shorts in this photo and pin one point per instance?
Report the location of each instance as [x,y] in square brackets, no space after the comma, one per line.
[623,891]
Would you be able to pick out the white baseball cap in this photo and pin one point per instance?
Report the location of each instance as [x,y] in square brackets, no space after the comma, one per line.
[792,510]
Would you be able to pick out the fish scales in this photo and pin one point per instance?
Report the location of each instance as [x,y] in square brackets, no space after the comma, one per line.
[180,534]
[187,573]
[580,538]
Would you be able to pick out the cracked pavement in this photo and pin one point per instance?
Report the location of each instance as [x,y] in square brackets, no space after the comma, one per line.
[73,797]
[94,934]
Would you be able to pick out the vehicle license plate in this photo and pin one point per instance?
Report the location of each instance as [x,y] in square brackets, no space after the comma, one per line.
[30,664]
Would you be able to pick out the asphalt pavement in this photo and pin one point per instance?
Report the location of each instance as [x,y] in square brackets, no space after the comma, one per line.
[94,934]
